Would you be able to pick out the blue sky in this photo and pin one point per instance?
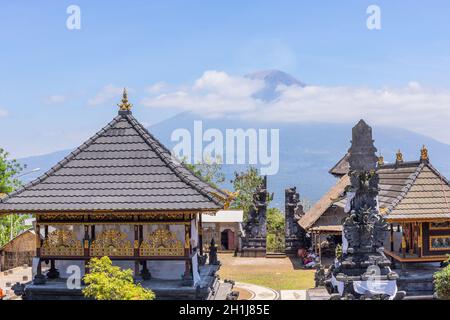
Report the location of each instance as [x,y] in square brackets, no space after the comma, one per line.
[50,73]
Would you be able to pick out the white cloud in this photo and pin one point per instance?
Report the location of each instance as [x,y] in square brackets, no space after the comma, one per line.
[217,94]
[106,94]
[3,113]
[157,88]
[214,94]
[55,99]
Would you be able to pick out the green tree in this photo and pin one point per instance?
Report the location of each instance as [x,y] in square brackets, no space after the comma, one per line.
[442,283]
[275,230]
[245,183]
[12,225]
[209,170]
[107,282]
[9,169]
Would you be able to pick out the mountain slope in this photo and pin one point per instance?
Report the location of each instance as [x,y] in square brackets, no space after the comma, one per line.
[307,150]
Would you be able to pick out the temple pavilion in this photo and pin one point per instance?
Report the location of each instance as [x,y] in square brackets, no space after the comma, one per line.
[123,195]
[414,197]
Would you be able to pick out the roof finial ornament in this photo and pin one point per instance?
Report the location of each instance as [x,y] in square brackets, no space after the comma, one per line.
[424,154]
[380,161]
[125,105]
[399,157]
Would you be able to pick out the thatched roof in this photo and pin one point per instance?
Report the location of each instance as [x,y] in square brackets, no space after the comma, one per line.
[321,206]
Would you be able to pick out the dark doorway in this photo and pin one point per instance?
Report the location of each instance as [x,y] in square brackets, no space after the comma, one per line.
[227,239]
[224,239]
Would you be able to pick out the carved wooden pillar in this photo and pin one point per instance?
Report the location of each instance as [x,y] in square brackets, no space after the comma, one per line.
[411,238]
[86,241]
[403,242]
[39,278]
[38,240]
[187,252]
[419,240]
[392,237]
[86,246]
[136,250]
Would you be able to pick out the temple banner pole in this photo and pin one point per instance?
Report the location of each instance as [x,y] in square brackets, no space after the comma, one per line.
[200,233]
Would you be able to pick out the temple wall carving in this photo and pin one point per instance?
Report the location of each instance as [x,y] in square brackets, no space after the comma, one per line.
[111,242]
[161,242]
[62,242]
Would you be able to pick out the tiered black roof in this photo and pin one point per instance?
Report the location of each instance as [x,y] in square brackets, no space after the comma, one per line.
[121,168]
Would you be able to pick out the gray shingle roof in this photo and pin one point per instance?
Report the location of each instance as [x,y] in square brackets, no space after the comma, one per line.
[122,167]
[413,190]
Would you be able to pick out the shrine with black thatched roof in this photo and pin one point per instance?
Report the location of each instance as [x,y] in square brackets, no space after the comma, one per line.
[123,195]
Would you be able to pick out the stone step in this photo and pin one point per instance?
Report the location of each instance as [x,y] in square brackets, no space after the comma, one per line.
[275,255]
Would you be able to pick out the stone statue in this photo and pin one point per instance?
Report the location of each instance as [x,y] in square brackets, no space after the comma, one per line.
[295,236]
[364,229]
[254,240]
[213,260]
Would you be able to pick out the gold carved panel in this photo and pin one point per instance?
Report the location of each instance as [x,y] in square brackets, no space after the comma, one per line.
[162,242]
[111,243]
[62,243]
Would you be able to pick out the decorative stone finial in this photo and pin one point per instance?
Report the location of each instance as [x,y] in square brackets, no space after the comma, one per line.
[362,152]
[125,105]
[380,161]
[399,157]
[424,154]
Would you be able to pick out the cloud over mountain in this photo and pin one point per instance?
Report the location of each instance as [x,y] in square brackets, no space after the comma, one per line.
[218,94]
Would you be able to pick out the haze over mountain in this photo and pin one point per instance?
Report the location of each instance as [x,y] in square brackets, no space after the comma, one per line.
[307,150]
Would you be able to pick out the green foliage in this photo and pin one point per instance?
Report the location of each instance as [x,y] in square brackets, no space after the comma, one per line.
[210,170]
[246,183]
[275,221]
[275,230]
[9,169]
[442,283]
[108,282]
[10,226]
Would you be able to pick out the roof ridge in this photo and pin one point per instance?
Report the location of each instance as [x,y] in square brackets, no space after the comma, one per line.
[172,162]
[406,188]
[61,163]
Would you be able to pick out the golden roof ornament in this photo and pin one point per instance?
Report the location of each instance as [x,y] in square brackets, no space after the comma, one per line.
[424,154]
[125,105]
[380,161]
[399,156]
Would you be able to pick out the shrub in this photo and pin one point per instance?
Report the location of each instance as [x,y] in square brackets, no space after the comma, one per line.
[442,283]
[108,282]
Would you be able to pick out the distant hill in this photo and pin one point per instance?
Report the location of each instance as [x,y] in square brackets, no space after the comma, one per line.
[307,150]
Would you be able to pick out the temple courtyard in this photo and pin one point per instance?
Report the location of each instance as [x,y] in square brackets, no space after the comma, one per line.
[283,276]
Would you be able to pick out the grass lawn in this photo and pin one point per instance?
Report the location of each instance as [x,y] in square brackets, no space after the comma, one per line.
[275,273]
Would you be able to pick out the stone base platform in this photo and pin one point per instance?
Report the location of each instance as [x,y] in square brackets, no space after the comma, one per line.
[416,280]
[253,252]
[209,288]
